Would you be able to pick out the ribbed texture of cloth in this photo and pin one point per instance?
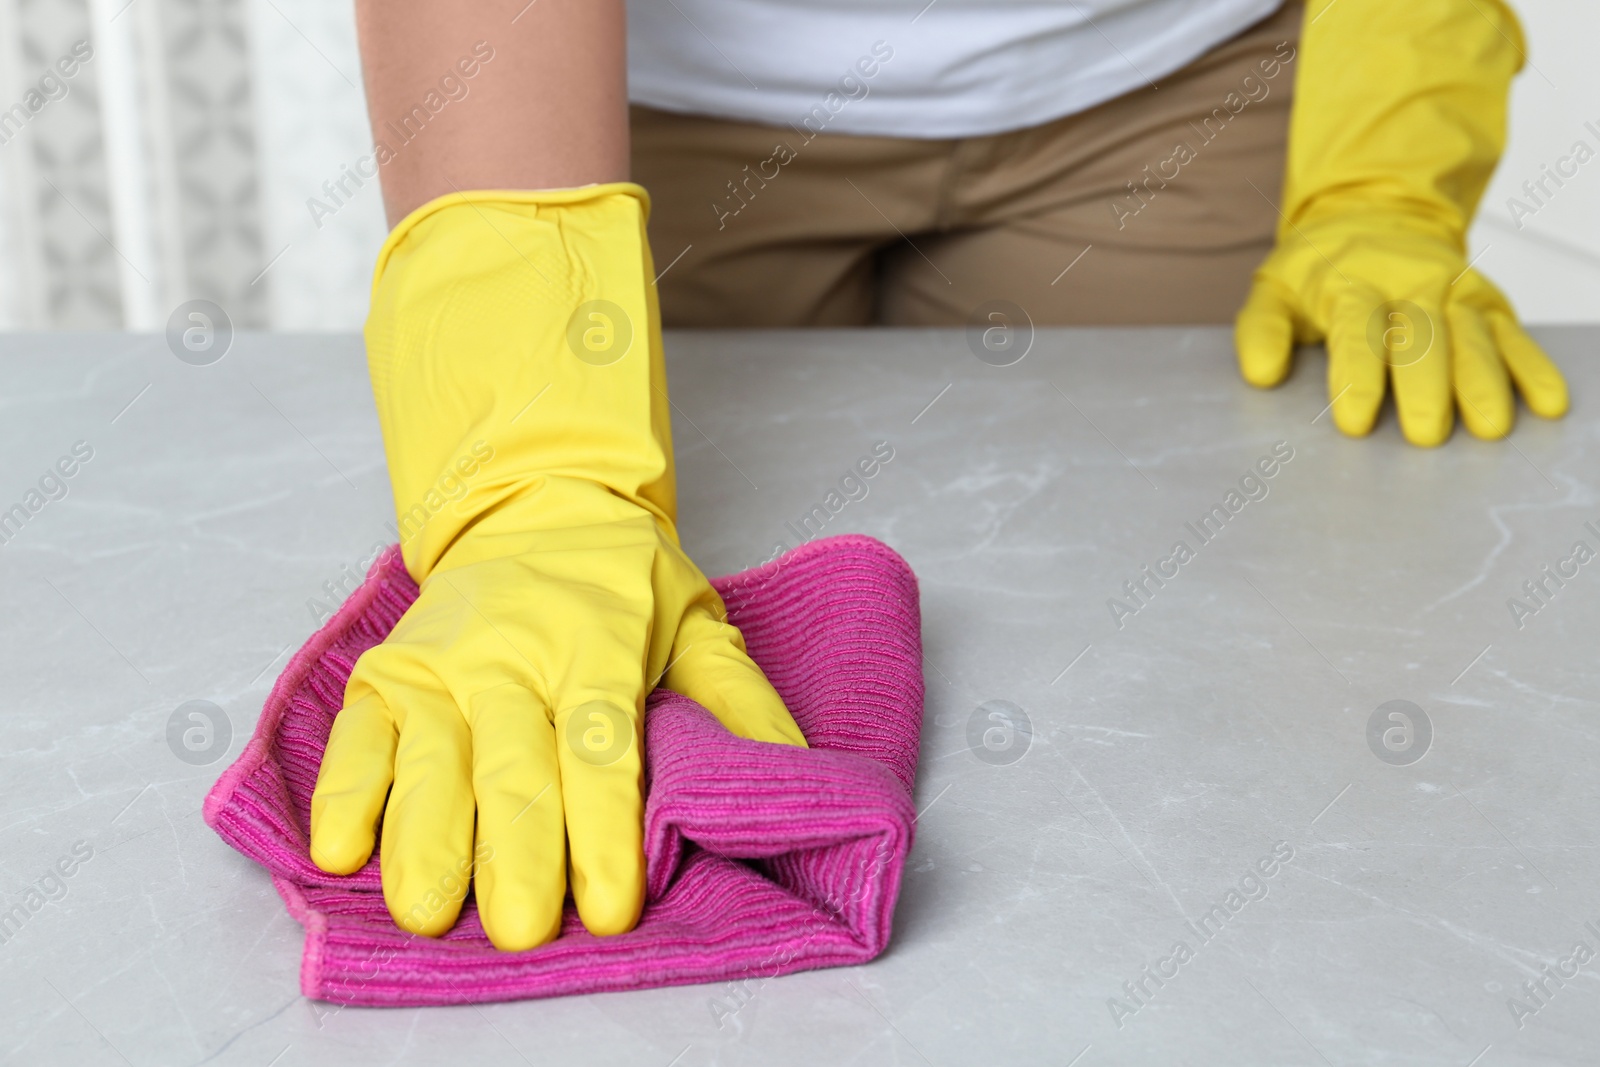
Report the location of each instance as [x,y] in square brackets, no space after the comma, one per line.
[762,859]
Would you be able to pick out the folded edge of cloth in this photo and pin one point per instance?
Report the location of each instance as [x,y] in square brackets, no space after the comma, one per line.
[762,859]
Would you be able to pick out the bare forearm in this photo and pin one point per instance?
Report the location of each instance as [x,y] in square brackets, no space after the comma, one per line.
[548,110]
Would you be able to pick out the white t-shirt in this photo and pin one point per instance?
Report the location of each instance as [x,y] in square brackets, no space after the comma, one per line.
[909,68]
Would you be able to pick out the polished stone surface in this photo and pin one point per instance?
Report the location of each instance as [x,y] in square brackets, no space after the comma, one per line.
[1168,755]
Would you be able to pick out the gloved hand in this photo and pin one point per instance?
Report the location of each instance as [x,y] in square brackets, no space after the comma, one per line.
[1399,119]
[514,347]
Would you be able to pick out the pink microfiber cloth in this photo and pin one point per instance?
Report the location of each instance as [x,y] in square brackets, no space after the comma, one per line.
[761,859]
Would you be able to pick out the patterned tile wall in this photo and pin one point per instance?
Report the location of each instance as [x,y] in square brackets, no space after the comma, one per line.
[59,212]
[177,161]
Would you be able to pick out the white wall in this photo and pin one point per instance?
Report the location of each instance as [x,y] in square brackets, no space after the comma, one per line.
[313,122]
[1549,262]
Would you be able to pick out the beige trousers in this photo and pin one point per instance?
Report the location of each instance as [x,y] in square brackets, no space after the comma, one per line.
[1151,208]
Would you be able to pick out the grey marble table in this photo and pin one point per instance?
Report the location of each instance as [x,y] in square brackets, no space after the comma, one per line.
[1216,765]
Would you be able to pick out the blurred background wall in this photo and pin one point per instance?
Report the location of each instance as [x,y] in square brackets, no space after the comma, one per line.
[185,155]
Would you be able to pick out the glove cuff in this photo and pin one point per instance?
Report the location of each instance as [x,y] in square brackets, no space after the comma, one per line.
[1399,108]
[514,348]
[534,197]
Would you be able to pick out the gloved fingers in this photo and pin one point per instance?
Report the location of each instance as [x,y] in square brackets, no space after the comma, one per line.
[1537,377]
[1418,352]
[352,784]
[1482,386]
[521,855]
[1263,335]
[427,828]
[711,667]
[599,749]
[599,741]
[1356,374]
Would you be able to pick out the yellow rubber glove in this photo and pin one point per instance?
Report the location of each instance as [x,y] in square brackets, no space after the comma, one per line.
[1399,119]
[515,353]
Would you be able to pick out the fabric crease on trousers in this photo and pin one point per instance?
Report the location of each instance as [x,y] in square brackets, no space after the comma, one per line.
[1154,207]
